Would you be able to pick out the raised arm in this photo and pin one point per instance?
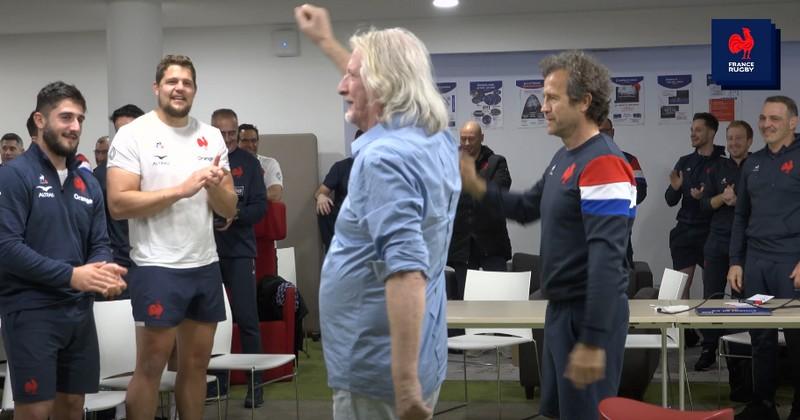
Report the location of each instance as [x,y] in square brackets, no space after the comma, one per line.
[316,24]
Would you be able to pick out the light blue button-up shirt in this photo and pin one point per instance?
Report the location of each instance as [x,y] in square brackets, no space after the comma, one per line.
[398,216]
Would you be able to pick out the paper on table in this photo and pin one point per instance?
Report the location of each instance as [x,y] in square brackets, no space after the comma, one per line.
[738,304]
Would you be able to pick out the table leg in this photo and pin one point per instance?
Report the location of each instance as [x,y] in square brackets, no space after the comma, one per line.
[681,370]
[664,382]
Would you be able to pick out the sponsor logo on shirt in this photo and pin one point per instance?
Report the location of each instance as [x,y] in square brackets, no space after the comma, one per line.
[757,168]
[42,179]
[202,142]
[44,191]
[205,158]
[239,191]
[159,160]
[83,199]
[237,171]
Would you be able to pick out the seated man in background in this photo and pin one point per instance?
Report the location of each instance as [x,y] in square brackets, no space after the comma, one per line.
[334,185]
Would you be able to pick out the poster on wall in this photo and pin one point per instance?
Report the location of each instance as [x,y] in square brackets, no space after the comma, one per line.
[722,103]
[487,103]
[530,100]
[675,95]
[448,91]
[627,100]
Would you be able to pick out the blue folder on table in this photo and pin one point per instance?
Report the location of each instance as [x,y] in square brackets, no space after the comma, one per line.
[724,311]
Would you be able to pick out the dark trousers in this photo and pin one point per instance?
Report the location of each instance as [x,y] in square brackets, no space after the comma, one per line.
[772,278]
[715,278]
[455,291]
[240,278]
[562,328]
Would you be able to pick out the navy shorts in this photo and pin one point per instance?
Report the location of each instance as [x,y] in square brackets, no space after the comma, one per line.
[52,349]
[164,297]
[686,243]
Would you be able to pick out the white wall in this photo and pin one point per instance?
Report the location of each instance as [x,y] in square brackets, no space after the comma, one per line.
[290,95]
[294,95]
[658,147]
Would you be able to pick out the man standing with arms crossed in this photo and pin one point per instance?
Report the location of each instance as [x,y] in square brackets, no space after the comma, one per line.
[382,293]
[167,174]
[765,244]
[586,201]
[54,249]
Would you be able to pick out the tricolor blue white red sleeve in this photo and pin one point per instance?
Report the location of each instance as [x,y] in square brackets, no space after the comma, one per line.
[608,204]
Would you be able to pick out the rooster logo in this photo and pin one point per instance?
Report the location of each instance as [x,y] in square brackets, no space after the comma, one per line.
[738,44]
[202,142]
[787,167]
[567,174]
[31,387]
[79,184]
[154,310]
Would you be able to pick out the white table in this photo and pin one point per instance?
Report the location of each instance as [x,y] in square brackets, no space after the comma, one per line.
[531,314]
[783,318]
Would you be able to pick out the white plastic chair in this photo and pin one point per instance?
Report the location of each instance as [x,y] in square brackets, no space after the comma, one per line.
[488,286]
[116,336]
[672,286]
[100,401]
[286,264]
[247,362]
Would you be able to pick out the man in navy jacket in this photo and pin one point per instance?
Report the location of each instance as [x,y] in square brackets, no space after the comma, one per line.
[55,251]
[236,241]
[765,244]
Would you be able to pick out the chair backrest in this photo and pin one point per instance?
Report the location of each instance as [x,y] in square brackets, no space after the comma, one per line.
[672,285]
[116,337]
[498,285]
[286,267]
[224,333]
[617,408]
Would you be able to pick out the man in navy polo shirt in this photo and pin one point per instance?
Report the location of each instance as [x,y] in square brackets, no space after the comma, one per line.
[55,252]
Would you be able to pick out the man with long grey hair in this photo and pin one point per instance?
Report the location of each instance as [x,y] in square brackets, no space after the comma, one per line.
[382,292]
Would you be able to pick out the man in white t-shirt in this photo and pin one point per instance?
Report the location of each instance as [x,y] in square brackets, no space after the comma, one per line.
[273,178]
[167,174]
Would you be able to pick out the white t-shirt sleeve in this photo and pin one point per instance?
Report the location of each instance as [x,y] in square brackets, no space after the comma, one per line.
[222,151]
[124,152]
[272,173]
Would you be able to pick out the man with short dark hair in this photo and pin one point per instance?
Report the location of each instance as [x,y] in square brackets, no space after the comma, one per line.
[117,229]
[687,238]
[33,131]
[168,173]
[11,146]
[101,151]
[719,199]
[586,201]
[765,245]
[236,241]
[273,177]
[124,115]
[55,257]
